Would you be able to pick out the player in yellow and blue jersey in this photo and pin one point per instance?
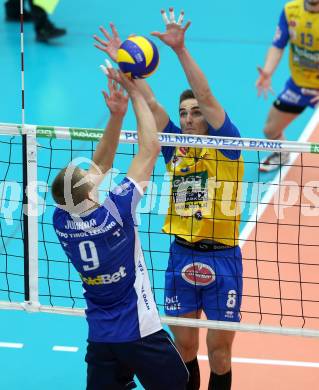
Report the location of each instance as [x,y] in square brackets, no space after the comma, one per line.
[101,240]
[298,25]
[204,273]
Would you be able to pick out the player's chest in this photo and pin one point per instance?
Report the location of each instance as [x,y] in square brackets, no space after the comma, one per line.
[304,30]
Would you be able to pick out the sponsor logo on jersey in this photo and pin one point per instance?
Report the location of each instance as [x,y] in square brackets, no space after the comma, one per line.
[198,274]
[144,296]
[292,33]
[105,278]
[290,96]
[80,225]
[176,161]
[229,314]
[278,34]
[300,52]
[183,150]
[189,191]
[122,189]
[172,303]
[198,215]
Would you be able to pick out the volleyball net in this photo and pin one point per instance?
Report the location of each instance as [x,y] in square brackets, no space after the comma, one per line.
[278,232]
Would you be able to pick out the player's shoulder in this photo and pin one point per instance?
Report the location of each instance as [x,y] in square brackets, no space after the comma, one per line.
[127,185]
[171,127]
[59,215]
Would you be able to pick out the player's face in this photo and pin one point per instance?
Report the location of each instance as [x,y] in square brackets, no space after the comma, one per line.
[191,118]
[312,3]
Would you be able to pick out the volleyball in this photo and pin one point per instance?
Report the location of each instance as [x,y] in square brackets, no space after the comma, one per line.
[138,57]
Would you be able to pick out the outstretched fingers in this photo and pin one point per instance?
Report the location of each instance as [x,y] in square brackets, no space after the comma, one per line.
[157,34]
[105,33]
[171,15]
[107,68]
[181,18]
[186,25]
[106,96]
[114,30]
[164,17]
[168,20]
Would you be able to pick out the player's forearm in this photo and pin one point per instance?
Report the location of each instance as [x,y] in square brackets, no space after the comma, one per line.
[146,91]
[146,126]
[106,149]
[273,58]
[160,115]
[200,88]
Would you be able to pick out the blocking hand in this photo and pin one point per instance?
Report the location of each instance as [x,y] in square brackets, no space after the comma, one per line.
[174,36]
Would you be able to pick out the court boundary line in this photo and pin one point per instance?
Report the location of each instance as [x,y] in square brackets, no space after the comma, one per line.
[63,348]
[264,203]
[11,345]
[238,360]
[270,362]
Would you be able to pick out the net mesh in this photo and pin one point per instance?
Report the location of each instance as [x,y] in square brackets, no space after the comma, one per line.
[278,232]
[11,221]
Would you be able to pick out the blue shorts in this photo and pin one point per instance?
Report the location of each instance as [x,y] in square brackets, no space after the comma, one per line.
[211,281]
[153,359]
[293,98]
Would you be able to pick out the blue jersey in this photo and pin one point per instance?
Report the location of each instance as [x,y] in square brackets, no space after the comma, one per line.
[104,248]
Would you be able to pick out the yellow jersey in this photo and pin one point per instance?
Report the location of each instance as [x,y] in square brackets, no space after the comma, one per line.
[205,196]
[304,44]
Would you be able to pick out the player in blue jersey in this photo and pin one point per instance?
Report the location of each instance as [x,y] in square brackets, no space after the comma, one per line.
[101,240]
[298,27]
[211,257]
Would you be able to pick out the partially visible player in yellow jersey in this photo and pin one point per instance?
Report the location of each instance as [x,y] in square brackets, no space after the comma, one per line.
[204,273]
[299,26]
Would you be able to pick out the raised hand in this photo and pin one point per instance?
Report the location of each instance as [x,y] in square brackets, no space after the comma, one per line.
[263,84]
[116,100]
[119,77]
[110,44]
[174,36]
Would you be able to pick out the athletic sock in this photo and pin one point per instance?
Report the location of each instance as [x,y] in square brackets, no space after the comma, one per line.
[194,375]
[220,382]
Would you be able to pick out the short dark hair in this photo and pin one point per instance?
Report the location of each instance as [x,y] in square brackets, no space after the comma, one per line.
[187,94]
[78,193]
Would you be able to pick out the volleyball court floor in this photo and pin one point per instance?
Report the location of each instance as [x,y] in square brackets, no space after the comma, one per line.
[60,81]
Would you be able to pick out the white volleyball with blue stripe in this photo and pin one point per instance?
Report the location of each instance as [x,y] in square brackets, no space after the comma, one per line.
[138,57]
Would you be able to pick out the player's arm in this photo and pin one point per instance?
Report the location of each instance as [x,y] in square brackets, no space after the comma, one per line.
[110,45]
[116,101]
[273,58]
[174,38]
[149,148]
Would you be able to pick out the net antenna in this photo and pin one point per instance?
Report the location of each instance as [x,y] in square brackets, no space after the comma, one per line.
[29,158]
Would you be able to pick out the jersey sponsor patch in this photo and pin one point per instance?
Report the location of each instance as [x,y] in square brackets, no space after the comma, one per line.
[198,274]
[122,189]
[183,150]
[278,34]
[290,96]
[105,278]
[190,192]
